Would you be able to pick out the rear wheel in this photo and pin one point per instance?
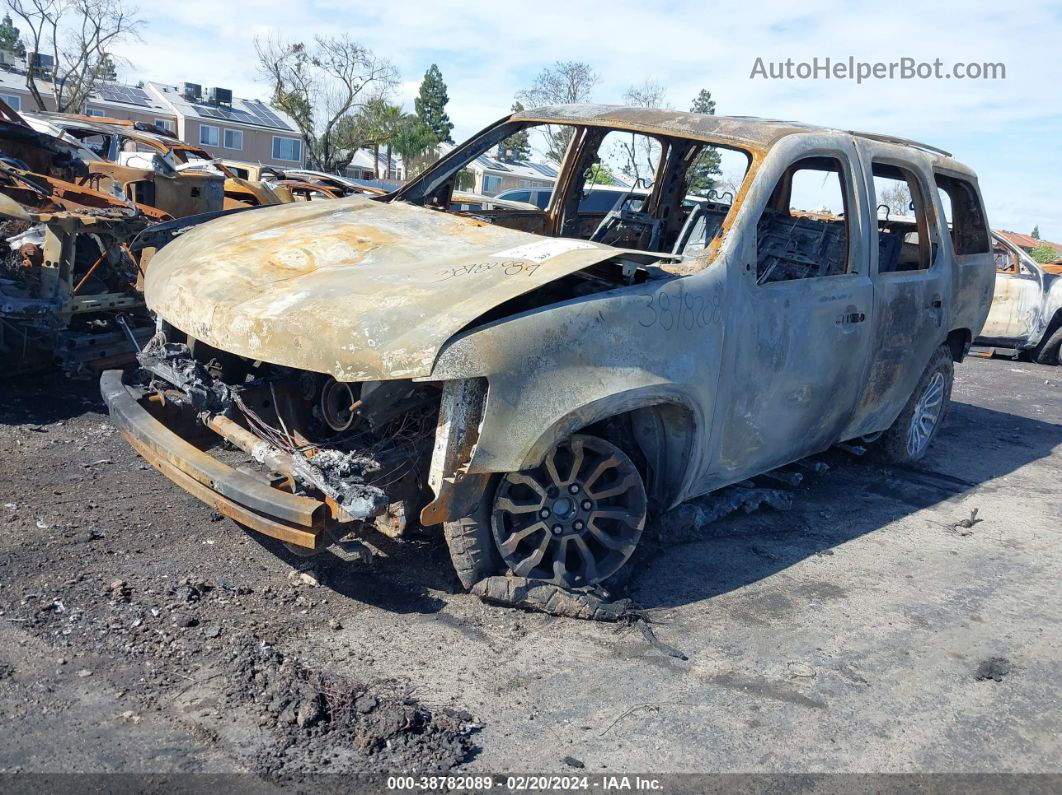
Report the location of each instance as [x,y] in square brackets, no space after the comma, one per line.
[910,436]
[574,520]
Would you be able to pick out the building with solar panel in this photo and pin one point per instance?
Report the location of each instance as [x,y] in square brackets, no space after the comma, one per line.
[492,175]
[212,118]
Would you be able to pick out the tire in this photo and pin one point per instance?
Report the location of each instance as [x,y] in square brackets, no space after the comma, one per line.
[900,444]
[1047,352]
[471,543]
[582,511]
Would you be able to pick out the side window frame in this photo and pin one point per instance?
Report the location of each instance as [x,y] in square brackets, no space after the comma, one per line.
[928,233]
[971,184]
[847,174]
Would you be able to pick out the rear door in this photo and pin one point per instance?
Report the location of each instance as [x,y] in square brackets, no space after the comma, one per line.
[800,336]
[912,275]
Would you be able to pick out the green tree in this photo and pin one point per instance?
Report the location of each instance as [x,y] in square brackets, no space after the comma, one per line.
[1035,232]
[600,174]
[701,177]
[518,145]
[703,103]
[10,39]
[1044,254]
[430,104]
[387,120]
[413,141]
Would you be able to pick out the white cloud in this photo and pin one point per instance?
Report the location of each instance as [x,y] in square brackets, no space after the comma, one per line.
[488,51]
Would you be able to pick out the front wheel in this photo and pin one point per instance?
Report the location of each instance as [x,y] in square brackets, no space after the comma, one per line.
[1047,352]
[910,436]
[574,520]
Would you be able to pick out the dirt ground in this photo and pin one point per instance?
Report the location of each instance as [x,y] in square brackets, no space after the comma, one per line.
[866,629]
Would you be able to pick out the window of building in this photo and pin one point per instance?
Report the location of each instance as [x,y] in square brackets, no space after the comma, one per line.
[233,139]
[164,124]
[14,100]
[208,135]
[962,209]
[803,231]
[491,183]
[287,149]
[90,111]
[903,226]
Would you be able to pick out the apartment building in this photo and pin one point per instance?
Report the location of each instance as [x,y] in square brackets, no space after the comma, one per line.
[210,117]
[492,176]
[231,127]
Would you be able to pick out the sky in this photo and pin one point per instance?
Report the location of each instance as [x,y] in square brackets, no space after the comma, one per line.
[1008,130]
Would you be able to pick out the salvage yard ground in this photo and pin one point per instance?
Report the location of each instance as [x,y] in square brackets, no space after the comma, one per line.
[879,625]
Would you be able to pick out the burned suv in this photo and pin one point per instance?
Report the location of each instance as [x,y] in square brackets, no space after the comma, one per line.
[537,381]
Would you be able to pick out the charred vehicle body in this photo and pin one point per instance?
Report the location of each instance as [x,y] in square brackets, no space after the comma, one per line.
[1026,313]
[139,162]
[537,381]
[67,277]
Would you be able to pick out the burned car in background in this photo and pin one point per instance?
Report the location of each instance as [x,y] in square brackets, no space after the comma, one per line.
[67,278]
[1026,313]
[140,162]
[538,380]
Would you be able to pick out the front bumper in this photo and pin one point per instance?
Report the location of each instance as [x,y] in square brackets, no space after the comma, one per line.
[248,500]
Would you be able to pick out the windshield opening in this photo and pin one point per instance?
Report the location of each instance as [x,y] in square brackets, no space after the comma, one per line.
[628,189]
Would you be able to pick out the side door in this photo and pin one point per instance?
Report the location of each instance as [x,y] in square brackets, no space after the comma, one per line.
[801,313]
[1017,300]
[912,273]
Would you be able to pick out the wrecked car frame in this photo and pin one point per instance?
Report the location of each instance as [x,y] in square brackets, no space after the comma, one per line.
[1026,313]
[537,381]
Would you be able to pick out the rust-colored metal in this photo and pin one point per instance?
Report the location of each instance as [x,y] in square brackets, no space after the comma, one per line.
[247,499]
[89,272]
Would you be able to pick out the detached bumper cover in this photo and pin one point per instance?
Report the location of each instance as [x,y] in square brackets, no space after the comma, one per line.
[242,497]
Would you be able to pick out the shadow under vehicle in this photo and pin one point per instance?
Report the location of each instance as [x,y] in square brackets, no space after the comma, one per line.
[1026,313]
[537,380]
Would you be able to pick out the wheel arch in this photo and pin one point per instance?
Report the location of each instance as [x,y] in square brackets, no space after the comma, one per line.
[661,430]
[958,342]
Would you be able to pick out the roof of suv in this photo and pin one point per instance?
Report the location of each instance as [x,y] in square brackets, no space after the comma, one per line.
[743,131]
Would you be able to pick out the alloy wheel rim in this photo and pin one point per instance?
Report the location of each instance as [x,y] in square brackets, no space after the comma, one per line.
[574,520]
[926,415]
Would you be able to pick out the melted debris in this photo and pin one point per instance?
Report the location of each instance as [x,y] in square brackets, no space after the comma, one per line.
[545,597]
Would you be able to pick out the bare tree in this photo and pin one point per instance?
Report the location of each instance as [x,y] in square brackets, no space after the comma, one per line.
[897,197]
[78,35]
[324,86]
[564,83]
[641,154]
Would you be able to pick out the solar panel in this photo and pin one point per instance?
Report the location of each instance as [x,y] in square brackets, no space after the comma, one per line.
[265,116]
[256,114]
[542,168]
[128,95]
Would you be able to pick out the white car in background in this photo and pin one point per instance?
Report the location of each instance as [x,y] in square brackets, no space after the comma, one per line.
[1026,313]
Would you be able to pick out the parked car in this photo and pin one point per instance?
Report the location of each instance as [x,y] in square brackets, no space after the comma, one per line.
[1026,313]
[537,383]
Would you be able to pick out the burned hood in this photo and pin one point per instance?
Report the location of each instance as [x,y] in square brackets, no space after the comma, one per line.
[359,289]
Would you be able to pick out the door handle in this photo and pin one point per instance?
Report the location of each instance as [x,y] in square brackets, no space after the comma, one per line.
[936,303]
[849,318]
